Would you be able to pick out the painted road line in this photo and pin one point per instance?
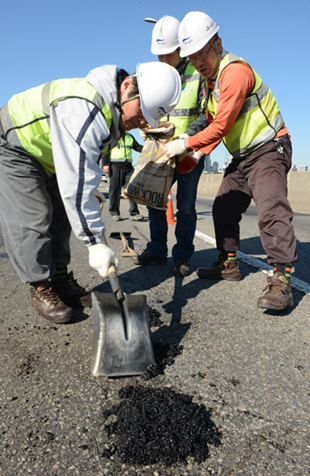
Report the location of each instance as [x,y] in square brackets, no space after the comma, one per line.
[256,263]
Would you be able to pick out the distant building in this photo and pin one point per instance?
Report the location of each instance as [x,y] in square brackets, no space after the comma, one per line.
[302,168]
[214,167]
[207,167]
[294,168]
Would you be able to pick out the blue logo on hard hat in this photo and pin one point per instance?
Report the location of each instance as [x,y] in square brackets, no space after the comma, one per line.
[160,40]
[161,111]
[187,41]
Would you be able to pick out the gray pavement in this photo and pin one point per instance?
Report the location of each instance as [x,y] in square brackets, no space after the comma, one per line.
[251,369]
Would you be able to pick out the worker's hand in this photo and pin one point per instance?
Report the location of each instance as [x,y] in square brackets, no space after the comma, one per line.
[143,135]
[101,257]
[106,169]
[175,147]
[188,161]
[183,136]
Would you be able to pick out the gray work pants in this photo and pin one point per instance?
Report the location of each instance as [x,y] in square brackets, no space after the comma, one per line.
[35,226]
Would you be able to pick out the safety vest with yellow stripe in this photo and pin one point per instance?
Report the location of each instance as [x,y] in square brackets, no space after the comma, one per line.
[25,117]
[123,150]
[187,109]
[258,120]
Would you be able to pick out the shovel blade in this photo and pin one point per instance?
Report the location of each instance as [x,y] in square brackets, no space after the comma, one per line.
[117,235]
[122,344]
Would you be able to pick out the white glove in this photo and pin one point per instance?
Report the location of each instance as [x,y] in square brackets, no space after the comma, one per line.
[143,135]
[188,161]
[183,136]
[101,257]
[175,147]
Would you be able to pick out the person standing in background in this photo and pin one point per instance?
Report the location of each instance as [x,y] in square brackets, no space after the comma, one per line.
[118,165]
[188,119]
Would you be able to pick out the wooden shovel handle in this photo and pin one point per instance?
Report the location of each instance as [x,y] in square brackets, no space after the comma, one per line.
[116,288]
[124,240]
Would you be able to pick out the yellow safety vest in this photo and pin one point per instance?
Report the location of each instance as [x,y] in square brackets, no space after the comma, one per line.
[25,117]
[187,109]
[258,120]
[123,150]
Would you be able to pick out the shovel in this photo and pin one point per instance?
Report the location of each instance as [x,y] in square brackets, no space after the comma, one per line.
[122,344]
[127,251]
[140,233]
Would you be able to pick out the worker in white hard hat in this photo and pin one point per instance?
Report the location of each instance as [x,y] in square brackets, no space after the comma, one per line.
[188,119]
[51,140]
[244,114]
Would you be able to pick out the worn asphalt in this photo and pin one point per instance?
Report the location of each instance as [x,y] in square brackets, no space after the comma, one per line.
[250,368]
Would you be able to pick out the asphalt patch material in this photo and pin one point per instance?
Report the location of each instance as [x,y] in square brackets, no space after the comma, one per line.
[164,355]
[158,426]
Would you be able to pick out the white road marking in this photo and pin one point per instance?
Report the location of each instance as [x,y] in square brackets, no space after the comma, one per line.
[256,263]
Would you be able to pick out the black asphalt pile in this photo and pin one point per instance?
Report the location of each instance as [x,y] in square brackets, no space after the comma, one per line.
[154,318]
[164,355]
[158,426]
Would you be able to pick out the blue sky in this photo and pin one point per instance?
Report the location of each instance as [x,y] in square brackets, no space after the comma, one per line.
[42,41]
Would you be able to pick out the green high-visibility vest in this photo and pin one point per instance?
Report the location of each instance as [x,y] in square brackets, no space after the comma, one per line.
[25,117]
[123,150]
[258,120]
[187,109]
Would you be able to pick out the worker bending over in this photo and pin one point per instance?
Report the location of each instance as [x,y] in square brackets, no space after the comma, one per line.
[51,140]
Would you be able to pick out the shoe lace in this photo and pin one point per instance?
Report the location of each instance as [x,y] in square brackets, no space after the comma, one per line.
[275,286]
[48,294]
[74,284]
[217,264]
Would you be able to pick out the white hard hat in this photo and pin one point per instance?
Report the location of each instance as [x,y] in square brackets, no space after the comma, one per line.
[196,29]
[165,36]
[160,89]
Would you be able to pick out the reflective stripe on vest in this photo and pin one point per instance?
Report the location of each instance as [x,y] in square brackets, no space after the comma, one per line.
[187,109]
[258,120]
[25,117]
[123,150]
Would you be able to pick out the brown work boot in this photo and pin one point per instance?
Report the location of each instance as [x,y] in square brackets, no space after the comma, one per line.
[228,270]
[148,258]
[71,292]
[181,268]
[279,294]
[48,304]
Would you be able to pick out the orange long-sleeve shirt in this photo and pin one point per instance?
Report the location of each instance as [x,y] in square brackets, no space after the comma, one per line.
[236,82]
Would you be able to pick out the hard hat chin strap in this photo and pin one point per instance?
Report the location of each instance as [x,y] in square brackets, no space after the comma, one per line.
[218,59]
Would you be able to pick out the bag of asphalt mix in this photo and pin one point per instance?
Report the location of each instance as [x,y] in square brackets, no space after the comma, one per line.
[151,181]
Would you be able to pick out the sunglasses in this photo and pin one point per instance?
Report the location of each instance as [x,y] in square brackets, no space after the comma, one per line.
[130,99]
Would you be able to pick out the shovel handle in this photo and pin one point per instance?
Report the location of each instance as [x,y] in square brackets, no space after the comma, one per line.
[123,240]
[116,288]
[140,233]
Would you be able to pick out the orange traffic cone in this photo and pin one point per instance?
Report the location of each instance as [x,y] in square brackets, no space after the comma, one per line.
[169,212]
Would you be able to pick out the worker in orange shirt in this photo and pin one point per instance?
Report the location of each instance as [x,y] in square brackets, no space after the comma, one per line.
[244,115]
